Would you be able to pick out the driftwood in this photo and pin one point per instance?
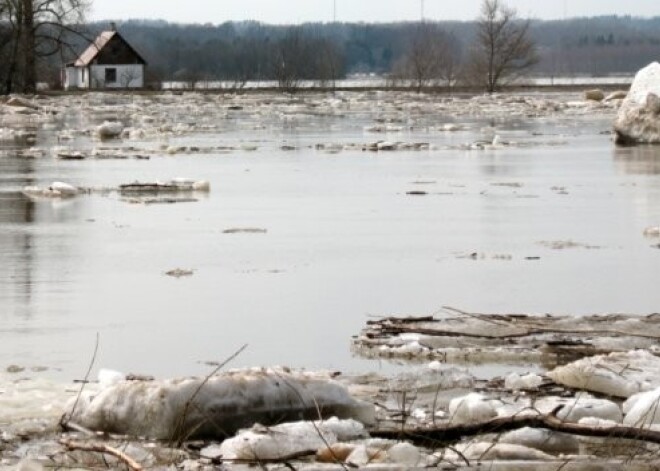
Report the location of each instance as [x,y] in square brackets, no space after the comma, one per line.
[527,326]
[461,336]
[432,437]
[106,449]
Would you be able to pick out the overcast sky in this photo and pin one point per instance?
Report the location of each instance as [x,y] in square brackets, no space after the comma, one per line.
[297,11]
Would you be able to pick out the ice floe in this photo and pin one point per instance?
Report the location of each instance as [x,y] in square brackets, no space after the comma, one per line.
[216,406]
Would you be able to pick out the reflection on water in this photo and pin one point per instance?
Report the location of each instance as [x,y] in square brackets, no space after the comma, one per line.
[639,160]
[17,253]
[344,241]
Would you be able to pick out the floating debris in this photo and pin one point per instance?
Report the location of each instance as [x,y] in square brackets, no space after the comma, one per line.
[180,273]
[245,230]
[567,244]
[652,232]
[173,186]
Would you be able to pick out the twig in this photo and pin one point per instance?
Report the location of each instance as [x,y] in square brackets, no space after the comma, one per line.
[69,426]
[178,432]
[102,448]
[64,421]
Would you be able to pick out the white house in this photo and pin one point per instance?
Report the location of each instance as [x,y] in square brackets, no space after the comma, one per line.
[109,62]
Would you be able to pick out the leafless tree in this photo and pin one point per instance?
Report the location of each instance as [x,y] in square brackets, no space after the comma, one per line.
[503,50]
[35,29]
[289,60]
[129,75]
[330,63]
[432,58]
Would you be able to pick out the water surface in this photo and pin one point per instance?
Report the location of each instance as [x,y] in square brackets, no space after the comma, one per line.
[344,242]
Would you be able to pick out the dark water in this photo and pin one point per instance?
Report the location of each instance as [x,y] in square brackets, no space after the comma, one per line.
[344,242]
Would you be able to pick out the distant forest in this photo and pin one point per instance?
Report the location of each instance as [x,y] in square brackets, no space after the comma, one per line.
[240,51]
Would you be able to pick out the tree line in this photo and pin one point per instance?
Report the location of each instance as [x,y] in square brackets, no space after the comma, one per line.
[418,55]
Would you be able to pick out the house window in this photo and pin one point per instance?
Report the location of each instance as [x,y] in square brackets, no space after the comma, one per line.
[110,75]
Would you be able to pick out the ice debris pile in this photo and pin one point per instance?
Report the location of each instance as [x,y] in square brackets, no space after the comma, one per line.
[638,121]
[472,338]
[260,416]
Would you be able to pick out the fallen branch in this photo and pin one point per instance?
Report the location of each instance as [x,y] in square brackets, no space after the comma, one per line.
[431,437]
[106,449]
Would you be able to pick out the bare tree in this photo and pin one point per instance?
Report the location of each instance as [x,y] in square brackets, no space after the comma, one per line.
[330,63]
[128,76]
[503,49]
[431,59]
[35,29]
[290,60]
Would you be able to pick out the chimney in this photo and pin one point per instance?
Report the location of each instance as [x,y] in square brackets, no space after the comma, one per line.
[113,26]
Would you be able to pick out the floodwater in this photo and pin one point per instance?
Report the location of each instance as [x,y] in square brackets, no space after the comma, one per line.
[343,242]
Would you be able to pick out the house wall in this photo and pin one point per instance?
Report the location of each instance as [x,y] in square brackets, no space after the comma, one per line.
[73,78]
[128,76]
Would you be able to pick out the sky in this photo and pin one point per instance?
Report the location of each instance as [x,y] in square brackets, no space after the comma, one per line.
[299,11]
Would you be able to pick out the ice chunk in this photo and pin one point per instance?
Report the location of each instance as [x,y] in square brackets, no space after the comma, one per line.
[64,188]
[618,95]
[643,409]
[201,185]
[620,374]
[652,232]
[109,130]
[529,381]
[362,456]
[497,451]
[586,406]
[638,120]
[36,398]
[29,465]
[543,440]
[20,102]
[222,405]
[594,95]
[471,408]
[286,440]
[55,190]
[405,454]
